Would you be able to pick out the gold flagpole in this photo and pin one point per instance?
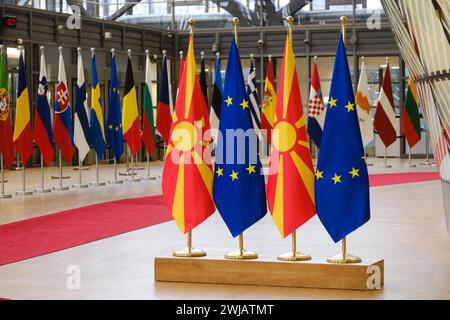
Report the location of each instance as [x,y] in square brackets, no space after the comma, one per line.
[189,251]
[240,253]
[293,255]
[344,257]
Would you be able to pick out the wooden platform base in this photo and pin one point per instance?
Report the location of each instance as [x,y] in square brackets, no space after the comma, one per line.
[316,273]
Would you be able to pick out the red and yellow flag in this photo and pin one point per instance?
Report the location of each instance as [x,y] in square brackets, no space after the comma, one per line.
[187,174]
[290,188]
[130,113]
[269,103]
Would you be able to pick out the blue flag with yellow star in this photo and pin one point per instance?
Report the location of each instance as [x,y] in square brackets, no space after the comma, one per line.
[342,181]
[238,188]
[114,134]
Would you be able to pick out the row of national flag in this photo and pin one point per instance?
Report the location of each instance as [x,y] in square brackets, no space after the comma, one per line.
[88,128]
[337,191]
[384,122]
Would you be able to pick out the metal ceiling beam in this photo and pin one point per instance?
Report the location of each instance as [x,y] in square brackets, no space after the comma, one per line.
[252,17]
[124,9]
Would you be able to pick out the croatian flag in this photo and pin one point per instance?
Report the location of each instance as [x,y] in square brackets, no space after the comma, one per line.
[62,124]
[316,109]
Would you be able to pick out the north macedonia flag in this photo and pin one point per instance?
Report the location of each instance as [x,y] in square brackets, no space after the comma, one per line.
[187,174]
[290,188]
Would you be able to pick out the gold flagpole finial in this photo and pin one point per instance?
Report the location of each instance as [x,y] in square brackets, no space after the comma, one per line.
[191,23]
[235,26]
[343,20]
[290,21]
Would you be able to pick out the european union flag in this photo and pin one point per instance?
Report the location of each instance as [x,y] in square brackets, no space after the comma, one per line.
[238,188]
[342,182]
[114,134]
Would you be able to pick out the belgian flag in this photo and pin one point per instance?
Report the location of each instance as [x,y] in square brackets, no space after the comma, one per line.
[130,115]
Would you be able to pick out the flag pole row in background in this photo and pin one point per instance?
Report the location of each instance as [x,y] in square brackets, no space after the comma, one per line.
[86,130]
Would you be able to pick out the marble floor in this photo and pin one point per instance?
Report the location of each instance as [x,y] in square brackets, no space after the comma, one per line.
[407,229]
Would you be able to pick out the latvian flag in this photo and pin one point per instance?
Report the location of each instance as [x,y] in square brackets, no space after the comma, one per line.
[316,109]
[384,121]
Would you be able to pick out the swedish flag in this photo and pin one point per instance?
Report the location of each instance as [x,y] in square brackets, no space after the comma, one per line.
[342,182]
[238,188]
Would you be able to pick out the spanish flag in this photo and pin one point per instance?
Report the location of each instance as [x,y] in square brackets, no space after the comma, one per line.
[23,136]
[290,188]
[269,102]
[187,174]
[130,115]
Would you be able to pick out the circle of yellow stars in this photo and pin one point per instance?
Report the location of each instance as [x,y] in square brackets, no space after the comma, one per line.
[234,175]
[354,172]
[243,104]
[110,127]
[333,104]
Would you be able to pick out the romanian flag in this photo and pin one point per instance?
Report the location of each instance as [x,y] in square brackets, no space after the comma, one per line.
[148,128]
[290,187]
[96,121]
[187,174]
[6,145]
[410,116]
[130,115]
[23,135]
[269,102]
[42,134]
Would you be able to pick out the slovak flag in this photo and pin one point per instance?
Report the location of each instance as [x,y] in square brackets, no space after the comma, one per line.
[62,124]
[316,109]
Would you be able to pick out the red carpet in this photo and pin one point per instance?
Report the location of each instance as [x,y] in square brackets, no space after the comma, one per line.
[58,231]
[383,179]
[67,229]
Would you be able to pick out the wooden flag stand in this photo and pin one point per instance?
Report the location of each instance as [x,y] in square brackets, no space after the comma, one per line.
[266,271]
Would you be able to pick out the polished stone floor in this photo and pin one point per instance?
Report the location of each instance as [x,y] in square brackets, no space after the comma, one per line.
[407,229]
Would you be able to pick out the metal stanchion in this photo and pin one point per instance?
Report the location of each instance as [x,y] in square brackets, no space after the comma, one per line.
[149,176]
[385,165]
[23,192]
[3,195]
[115,181]
[427,162]
[127,165]
[18,166]
[410,165]
[132,178]
[79,185]
[42,188]
[60,187]
[97,182]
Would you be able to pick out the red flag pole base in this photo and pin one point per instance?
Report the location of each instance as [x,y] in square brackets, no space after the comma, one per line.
[189,251]
[344,257]
[241,253]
